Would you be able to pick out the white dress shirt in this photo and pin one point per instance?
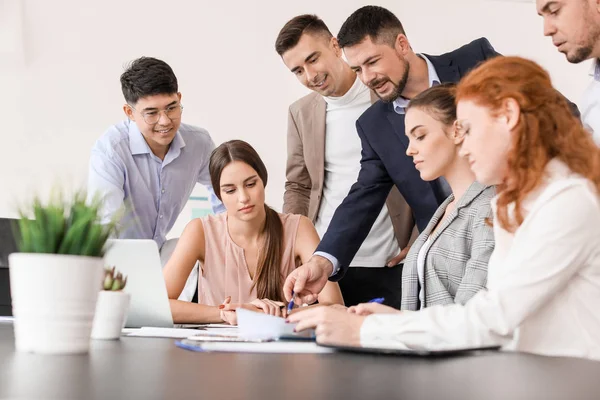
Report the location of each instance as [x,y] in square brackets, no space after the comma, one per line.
[543,291]
[590,104]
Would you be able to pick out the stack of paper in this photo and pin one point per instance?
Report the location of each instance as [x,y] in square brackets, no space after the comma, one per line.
[257,325]
[267,347]
[176,333]
[180,333]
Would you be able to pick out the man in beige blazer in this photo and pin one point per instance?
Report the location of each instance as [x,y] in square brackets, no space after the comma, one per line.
[324,153]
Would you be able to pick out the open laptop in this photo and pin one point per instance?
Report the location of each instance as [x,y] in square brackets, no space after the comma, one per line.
[7,246]
[139,260]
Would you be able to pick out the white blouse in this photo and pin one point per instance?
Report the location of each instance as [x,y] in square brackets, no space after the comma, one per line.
[421,269]
[543,291]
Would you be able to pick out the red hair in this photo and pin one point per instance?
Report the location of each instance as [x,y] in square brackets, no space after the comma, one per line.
[546,128]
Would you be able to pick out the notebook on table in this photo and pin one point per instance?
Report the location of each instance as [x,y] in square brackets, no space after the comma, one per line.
[442,352]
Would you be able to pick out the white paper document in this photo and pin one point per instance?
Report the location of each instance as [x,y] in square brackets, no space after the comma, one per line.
[266,347]
[255,325]
[180,333]
[175,333]
[217,331]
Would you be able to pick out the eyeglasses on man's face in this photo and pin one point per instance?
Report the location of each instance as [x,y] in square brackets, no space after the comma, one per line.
[152,117]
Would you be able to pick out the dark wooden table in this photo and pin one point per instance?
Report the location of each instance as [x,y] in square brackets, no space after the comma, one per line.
[143,368]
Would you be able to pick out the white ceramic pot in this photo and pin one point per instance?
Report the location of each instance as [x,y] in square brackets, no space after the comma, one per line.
[53,301]
[111,314]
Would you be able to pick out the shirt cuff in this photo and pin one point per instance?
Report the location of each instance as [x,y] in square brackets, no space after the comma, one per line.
[332,259]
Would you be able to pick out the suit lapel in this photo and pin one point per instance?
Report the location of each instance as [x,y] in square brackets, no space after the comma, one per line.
[445,69]
[397,122]
[318,127]
[395,119]
[472,192]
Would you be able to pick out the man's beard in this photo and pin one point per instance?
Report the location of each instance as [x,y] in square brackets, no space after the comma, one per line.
[585,52]
[581,54]
[398,88]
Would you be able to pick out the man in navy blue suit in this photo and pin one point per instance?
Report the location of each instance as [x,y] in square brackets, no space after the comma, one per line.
[377,48]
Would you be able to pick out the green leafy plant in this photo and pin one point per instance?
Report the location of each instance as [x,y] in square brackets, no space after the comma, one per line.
[61,227]
[113,282]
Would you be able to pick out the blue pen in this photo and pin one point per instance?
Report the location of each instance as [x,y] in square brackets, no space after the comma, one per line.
[378,300]
[291,304]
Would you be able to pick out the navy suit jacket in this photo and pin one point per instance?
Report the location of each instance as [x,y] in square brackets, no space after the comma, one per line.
[384,163]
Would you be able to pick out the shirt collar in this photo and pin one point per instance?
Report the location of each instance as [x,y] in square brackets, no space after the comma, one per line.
[401,103]
[595,70]
[175,149]
[138,144]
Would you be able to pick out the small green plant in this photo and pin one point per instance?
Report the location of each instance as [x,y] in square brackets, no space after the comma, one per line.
[61,227]
[113,282]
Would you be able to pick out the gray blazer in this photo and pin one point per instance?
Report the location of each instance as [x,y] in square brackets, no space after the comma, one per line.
[457,260]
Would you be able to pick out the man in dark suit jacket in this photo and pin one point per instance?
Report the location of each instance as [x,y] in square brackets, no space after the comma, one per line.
[377,48]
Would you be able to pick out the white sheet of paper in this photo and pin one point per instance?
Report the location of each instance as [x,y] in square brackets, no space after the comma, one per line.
[267,347]
[175,333]
[255,325]
[220,326]
[217,331]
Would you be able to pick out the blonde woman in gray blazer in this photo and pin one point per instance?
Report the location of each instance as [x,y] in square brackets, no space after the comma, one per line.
[448,262]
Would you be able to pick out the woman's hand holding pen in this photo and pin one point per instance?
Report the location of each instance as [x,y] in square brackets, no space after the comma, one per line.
[228,315]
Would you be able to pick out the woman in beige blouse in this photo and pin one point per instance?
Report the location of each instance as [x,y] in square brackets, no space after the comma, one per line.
[246,252]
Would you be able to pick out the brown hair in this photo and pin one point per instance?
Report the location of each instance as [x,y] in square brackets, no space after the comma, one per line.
[438,101]
[377,23]
[546,128]
[292,31]
[267,278]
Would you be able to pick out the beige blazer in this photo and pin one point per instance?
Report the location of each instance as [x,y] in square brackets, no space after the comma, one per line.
[306,167]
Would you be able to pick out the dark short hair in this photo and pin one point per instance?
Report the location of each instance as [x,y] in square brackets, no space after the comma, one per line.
[438,101]
[378,23]
[147,76]
[292,31]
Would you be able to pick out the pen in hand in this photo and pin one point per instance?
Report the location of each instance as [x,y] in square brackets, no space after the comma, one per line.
[290,304]
[378,300]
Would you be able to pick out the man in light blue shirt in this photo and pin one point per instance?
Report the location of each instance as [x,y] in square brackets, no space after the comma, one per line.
[146,167]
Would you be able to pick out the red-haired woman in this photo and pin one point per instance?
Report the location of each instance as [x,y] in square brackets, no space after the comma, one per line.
[543,290]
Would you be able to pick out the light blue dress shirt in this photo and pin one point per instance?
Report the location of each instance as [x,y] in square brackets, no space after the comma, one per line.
[151,192]
[590,105]
[400,105]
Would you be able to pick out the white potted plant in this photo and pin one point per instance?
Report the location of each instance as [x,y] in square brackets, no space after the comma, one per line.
[112,306]
[57,274]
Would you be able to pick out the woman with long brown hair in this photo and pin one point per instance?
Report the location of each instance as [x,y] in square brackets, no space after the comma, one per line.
[246,252]
[543,291]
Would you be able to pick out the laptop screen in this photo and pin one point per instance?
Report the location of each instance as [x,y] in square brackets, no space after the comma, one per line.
[7,240]
[7,246]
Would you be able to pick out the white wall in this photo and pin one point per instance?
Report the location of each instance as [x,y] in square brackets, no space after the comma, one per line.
[60,63]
